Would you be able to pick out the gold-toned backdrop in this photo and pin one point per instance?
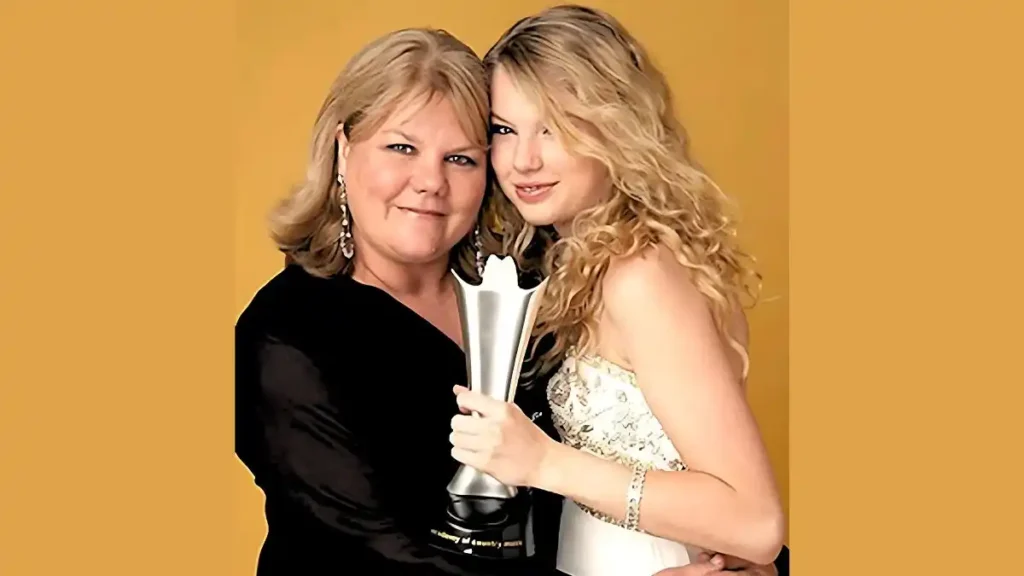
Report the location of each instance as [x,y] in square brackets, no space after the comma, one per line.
[118,288]
[727,63]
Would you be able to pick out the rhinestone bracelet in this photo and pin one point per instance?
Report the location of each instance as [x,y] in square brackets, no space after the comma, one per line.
[633,496]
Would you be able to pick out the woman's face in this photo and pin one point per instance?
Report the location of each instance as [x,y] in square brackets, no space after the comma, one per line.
[545,181]
[415,186]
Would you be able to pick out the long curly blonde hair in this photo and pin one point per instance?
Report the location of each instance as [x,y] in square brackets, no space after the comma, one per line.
[607,100]
[406,66]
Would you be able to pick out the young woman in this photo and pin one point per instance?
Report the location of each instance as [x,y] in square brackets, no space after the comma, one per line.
[660,456]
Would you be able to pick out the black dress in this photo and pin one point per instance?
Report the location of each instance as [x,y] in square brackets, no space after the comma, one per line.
[343,409]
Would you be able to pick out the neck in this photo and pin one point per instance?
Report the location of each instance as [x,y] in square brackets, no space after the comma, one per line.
[401,280]
[564,229]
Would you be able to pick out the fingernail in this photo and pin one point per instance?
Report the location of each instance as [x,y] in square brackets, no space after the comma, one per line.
[718,561]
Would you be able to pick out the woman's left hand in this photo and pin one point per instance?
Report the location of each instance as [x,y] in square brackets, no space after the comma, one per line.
[500,441]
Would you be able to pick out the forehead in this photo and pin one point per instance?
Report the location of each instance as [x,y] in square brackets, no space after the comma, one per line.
[509,101]
[432,118]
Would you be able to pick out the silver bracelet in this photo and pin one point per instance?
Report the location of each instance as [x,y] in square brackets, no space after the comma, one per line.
[633,495]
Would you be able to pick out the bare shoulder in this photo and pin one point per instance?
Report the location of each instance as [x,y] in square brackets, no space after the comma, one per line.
[654,278]
[646,282]
[651,300]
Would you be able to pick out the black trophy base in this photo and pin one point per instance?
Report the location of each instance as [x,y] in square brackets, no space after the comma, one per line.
[488,528]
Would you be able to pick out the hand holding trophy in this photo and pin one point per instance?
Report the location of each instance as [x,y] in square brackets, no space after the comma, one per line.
[486,518]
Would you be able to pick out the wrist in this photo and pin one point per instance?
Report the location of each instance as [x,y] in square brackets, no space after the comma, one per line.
[546,475]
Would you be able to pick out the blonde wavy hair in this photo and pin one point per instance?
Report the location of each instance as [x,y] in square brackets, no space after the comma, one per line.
[400,68]
[607,100]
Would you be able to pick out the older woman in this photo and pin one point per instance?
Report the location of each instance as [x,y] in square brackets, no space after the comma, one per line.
[346,359]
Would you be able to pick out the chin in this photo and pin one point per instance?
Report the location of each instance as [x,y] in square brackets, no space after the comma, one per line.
[537,216]
[417,255]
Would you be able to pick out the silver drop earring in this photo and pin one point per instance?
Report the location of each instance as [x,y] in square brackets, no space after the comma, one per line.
[478,244]
[345,238]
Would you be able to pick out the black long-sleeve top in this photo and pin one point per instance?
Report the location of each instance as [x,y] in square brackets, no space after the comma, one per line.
[343,409]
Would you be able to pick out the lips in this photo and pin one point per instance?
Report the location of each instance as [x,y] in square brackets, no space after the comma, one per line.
[422,211]
[532,192]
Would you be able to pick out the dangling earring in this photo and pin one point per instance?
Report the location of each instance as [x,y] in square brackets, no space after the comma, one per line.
[345,238]
[478,244]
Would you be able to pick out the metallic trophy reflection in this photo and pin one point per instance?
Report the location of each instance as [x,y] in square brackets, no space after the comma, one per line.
[486,518]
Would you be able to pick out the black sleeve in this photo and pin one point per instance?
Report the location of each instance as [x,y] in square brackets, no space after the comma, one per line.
[295,442]
[782,562]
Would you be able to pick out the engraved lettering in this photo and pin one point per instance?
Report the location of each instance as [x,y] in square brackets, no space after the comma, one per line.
[444,535]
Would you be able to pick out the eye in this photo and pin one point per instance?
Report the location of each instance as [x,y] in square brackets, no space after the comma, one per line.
[461,160]
[546,132]
[401,148]
[500,130]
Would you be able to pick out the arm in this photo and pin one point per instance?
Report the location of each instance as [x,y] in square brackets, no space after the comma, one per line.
[297,445]
[727,500]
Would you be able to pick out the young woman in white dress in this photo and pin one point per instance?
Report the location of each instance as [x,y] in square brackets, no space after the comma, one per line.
[661,457]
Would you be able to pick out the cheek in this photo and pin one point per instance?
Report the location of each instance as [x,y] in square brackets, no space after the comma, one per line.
[373,177]
[501,156]
[467,191]
[587,180]
[593,176]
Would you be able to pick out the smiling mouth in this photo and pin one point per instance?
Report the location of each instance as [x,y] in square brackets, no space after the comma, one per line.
[422,212]
[534,188]
[534,192]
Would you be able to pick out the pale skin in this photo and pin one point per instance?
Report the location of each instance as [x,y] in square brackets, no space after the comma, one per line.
[420,161]
[726,501]
[656,323]
[708,564]
[414,187]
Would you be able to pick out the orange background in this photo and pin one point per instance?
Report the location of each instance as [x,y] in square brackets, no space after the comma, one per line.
[118,158]
[726,61]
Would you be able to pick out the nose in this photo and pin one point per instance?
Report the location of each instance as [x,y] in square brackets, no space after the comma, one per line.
[429,176]
[527,156]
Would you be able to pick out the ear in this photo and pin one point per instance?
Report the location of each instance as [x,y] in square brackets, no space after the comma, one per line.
[343,148]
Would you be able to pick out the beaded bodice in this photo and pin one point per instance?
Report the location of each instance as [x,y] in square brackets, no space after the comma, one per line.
[597,407]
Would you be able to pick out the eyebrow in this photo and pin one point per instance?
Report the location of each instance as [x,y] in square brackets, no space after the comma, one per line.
[408,137]
[469,148]
[414,140]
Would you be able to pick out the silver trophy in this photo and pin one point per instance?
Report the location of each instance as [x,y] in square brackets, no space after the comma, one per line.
[486,517]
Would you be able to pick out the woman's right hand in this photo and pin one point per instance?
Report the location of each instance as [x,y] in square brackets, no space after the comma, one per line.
[708,564]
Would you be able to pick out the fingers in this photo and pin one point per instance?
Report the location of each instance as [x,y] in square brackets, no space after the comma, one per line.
[718,561]
[733,563]
[470,401]
[468,458]
[470,424]
[470,442]
[471,434]
[701,568]
[458,391]
[706,564]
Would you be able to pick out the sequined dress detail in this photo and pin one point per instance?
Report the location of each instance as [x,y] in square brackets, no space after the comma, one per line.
[597,407]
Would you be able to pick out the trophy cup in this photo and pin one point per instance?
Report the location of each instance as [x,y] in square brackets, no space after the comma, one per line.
[486,518]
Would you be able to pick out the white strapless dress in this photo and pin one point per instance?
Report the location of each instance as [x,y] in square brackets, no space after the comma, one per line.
[597,407]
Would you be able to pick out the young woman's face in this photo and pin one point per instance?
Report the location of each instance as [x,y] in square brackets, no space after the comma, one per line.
[546,182]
